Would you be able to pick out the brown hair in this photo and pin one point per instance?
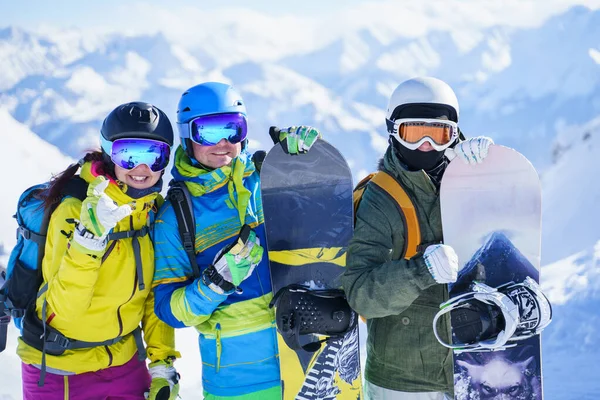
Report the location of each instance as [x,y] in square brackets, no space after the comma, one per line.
[53,194]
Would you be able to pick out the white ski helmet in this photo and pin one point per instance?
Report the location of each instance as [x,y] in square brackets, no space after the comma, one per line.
[423,91]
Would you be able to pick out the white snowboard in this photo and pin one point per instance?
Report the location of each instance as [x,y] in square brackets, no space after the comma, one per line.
[491,216]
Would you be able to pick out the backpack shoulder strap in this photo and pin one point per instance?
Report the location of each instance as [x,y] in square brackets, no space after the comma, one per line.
[407,209]
[75,187]
[179,196]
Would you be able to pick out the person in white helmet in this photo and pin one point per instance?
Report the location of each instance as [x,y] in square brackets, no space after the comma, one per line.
[399,295]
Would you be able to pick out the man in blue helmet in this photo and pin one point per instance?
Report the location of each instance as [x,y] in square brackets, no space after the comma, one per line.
[228,298]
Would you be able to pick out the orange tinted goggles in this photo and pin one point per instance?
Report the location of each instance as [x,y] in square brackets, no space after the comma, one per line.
[415,131]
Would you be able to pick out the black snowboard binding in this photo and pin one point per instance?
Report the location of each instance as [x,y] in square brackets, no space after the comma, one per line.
[303,311]
[476,322]
[491,319]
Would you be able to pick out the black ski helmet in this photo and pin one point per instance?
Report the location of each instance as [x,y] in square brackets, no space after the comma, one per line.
[137,120]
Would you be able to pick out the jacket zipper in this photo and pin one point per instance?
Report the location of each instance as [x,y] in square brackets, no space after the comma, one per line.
[110,356]
[119,308]
[218,342]
[108,251]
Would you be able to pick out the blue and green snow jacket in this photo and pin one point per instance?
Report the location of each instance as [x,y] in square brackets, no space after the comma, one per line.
[238,341]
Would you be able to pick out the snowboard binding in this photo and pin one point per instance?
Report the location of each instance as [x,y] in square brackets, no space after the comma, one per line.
[302,311]
[487,319]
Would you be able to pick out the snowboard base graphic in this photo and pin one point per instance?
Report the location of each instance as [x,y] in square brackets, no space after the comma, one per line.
[307,203]
[491,216]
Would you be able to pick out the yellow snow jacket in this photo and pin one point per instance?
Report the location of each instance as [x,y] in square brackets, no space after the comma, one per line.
[98,299]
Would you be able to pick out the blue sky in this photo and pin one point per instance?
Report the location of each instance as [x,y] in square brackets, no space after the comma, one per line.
[185,17]
[74,13]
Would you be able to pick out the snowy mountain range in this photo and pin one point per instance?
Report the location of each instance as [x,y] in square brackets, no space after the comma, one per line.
[519,85]
[535,88]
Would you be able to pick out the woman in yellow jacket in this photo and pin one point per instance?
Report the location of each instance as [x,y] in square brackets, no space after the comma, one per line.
[97,274]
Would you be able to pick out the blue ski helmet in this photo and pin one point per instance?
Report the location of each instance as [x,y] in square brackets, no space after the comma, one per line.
[206,99]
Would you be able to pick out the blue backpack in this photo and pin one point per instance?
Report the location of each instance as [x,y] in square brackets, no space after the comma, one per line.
[23,277]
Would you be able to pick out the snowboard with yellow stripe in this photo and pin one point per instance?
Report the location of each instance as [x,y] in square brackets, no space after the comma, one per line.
[307,203]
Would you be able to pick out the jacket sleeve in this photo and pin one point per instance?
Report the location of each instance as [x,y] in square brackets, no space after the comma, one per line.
[159,337]
[377,286]
[180,300]
[69,271]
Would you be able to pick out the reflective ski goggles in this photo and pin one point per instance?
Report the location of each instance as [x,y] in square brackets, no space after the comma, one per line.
[130,153]
[208,130]
[413,132]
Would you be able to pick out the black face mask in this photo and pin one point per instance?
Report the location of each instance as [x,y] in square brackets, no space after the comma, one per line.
[432,162]
[416,160]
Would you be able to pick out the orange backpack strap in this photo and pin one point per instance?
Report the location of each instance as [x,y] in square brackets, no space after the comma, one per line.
[407,210]
[358,191]
[392,188]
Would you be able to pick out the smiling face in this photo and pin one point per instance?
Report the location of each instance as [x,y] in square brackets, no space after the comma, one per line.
[141,177]
[216,156]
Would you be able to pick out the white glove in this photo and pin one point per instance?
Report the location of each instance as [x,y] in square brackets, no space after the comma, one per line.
[442,263]
[99,213]
[89,242]
[471,151]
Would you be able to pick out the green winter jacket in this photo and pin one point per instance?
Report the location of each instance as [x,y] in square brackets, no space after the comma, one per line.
[398,297]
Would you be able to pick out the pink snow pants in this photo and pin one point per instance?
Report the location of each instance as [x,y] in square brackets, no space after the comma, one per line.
[126,382]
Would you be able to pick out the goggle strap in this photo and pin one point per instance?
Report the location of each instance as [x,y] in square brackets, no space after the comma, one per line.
[391,126]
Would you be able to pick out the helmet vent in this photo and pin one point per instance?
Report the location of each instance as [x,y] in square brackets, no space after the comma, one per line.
[239,103]
[186,109]
[143,116]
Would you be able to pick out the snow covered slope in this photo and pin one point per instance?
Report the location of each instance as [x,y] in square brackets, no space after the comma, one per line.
[571,193]
[26,160]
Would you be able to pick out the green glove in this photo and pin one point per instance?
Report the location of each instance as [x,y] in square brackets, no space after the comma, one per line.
[165,381]
[235,262]
[99,213]
[298,139]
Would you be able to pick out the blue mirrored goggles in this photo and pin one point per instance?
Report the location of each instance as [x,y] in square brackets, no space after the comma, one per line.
[208,130]
[130,153]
